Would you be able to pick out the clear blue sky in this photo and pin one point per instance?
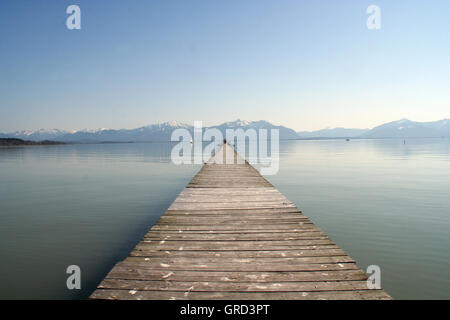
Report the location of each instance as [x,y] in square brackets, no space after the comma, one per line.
[304,64]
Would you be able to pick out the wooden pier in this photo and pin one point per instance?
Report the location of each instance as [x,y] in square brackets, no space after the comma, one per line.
[231,235]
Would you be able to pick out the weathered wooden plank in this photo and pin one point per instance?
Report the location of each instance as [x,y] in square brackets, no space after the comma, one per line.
[249,205]
[219,247]
[240,211]
[218,259]
[179,295]
[235,227]
[231,191]
[221,286]
[222,220]
[244,225]
[234,216]
[246,199]
[240,243]
[327,252]
[216,237]
[235,276]
[210,235]
[176,230]
[281,267]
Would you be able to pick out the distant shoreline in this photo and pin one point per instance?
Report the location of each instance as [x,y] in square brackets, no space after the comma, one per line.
[14,142]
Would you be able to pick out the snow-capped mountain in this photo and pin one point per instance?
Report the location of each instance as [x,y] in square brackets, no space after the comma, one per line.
[35,135]
[405,128]
[154,132]
[285,133]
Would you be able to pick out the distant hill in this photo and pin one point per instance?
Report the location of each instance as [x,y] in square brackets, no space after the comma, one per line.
[405,128]
[332,133]
[19,142]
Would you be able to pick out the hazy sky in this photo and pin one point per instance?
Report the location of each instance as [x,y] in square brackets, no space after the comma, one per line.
[303,64]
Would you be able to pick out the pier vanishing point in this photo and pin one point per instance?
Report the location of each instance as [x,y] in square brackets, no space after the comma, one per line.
[231,235]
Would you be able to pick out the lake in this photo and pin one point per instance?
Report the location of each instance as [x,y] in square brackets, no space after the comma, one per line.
[385,202]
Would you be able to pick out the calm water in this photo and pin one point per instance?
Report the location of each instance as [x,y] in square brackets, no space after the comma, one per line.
[384,202]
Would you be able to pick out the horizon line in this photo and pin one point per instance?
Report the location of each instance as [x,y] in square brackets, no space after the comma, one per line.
[208,126]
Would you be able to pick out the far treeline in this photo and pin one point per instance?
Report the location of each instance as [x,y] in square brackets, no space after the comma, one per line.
[19,142]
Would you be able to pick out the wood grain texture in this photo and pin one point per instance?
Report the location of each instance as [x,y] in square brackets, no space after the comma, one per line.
[231,235]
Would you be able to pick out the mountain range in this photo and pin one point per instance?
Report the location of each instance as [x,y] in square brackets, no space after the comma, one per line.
[403,128]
